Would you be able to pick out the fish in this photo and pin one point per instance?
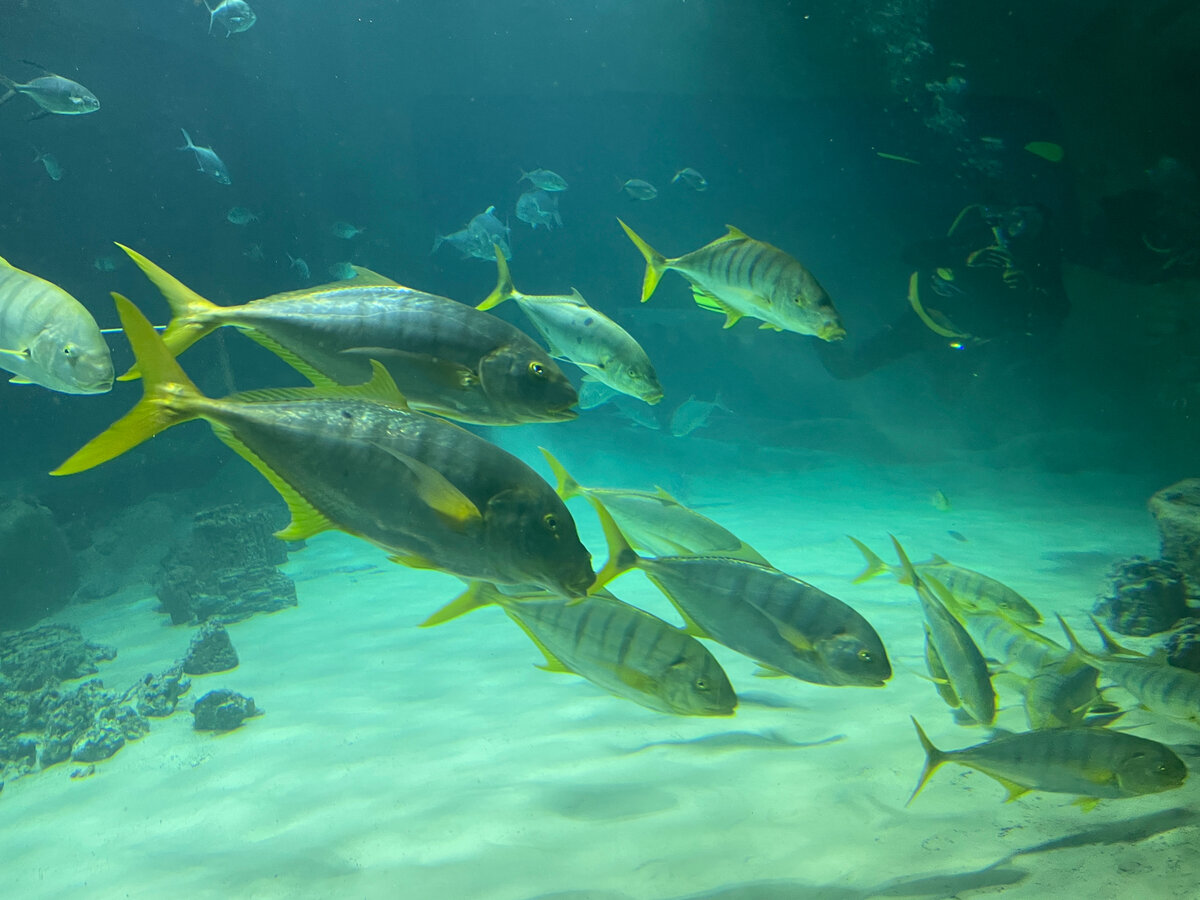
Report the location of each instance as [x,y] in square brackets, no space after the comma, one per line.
[788,626]
[618,647]
[344,230]
[239,215]
[357,459]
[104,263]
[544,180]
[1062,694]
[207,161]
[301,267]
[342,271]
[48,338]
[1094,763]
[639,189]
[50,163]
[637,413]
[539,208]
[958,536]
[479,238]
[254,252]
[972,590]
[53,93]
[692,414]
[1158,686]
[741,277]
[940,501]
[964,666]
[581,334]
[691,178]
[594,393]
[235,15]
[937,672]
[655,522]
[447,357]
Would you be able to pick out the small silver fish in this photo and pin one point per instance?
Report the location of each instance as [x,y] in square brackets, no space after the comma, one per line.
[344,230]
[239,215]
[539,208]
[53,168]
[479,237]
[544,179]
[235,15]
[301,267]
[342,271]
[692,414]
[207,161]
[253,252]
[104,264]
[691,178]
[639,189]
[53,93]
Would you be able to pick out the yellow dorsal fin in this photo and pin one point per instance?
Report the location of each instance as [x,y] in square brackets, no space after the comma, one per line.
[567,486]
[380,389]
[733,233]
[307,520]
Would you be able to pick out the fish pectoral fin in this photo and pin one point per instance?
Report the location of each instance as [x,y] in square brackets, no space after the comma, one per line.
[436,491]
[792,635]
[636,679]
[706,300]
[442,372]
[769,672]
[412,560]
[1014,790]
[20,379]
[20,354]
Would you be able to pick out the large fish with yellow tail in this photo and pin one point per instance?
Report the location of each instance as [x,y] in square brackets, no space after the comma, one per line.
[1093,763]
[620,648]
[47,337]
[742,277]
[655,522]
[788,626]
[447,358]
[357,459]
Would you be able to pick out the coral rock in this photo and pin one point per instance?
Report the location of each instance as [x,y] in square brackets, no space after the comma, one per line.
[1143,597]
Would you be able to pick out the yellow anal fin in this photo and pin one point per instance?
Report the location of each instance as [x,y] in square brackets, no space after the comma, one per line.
[477,594]
[413,561]
[1014,790]
[636,679]
[706,300]
[307,520]
[552,663]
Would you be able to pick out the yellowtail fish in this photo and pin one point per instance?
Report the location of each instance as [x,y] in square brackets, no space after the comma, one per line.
[357,459]
[740,276]
[691,178]
[1062,694]
[447,358]
[47,337]
[783,623]
[1159,686]
[620,648]
[937,671]
[576,332]
[655,522]
[965,668]
[973,590]
[53,93]
[1093,763]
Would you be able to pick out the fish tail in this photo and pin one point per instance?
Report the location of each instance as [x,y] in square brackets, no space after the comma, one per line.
[187,137]
[875,565]
[908,575]
[192,317]
[656,263]
[567,486]
[168,396]
[933,760]
[504,285]
[621,557]
[1077,648]
[1110,643]
[478,594]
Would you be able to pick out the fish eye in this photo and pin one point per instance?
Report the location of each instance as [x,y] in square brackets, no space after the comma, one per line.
[551,521]
[865,656]
[537,370]
[701,684]
[69,350]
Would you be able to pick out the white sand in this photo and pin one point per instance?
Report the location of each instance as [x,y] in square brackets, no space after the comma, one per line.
[400,762]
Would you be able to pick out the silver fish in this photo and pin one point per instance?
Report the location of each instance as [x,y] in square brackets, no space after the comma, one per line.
[479,238]
[239,215]
[51,164]
[47,337]
[301,267]
[344,230]
[639,189]
[692,414]
[544,179]
[207,161]
[53,93]
[691,178]
[235,15]
[539,208]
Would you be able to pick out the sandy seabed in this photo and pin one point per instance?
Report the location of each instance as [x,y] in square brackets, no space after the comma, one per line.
[394,761]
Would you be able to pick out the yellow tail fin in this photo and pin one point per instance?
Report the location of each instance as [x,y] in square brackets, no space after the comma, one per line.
[875,565]
[621,557]
[191,314]
[656,263]
[567,487]
[504,286]
[168,396]
[477,594]
[933,759]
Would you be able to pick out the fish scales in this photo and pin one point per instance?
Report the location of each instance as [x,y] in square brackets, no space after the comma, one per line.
[1014,644]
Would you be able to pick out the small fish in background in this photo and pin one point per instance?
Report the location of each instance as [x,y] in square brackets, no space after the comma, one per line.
[544,179]
[239,215]
[691,178]
[958,536]
[53,93]
[235,15]
[51,164]
[637,412]
[479,239]
[940,501]
[344,230]
[639,189]
[254,252]
[301,267]
[692,414]
[595,393]
[342,271]
[207,161]
[539,208]
[104,264]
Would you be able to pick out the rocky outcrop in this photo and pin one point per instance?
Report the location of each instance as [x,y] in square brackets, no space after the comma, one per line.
[223,710]
[211,650]
[1176,509]
[1143,597]
[38,575]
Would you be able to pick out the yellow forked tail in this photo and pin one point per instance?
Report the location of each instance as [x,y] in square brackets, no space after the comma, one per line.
[191,317]
[504,285]
[166,393]
[656,263]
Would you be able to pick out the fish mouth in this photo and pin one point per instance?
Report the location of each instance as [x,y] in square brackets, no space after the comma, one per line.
[565,414]
[832,331]
[577,588]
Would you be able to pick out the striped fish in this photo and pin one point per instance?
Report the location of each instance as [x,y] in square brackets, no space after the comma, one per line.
[620,648]
[740,276]
[964,665]
[655,522]
[1092,762]
[785,624]
[1158,686]
[973,590]
[447,358]
[47,337]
